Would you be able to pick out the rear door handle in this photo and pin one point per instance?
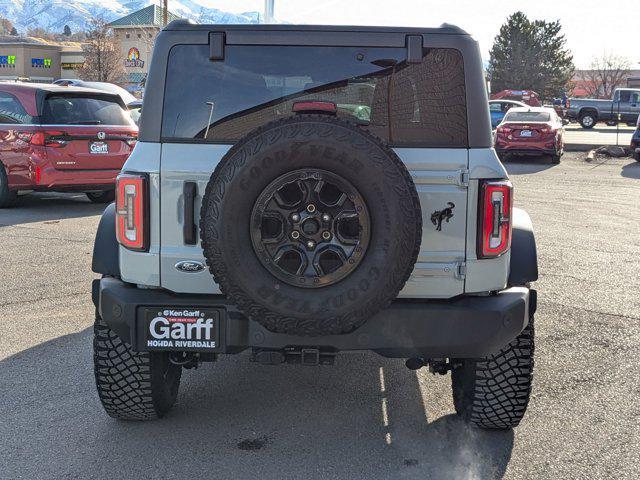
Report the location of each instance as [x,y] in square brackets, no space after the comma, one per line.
[190,190]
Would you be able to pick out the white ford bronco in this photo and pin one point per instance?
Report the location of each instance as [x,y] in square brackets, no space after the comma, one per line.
[301,191]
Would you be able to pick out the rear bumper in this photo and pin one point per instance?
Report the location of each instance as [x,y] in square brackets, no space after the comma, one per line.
[465,327]
[525,150]
[538,146]
[76,180]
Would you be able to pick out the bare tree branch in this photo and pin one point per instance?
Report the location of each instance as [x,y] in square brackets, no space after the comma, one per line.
[102,55]
[606,73]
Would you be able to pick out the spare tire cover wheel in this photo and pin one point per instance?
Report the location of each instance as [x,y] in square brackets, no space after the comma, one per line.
[310,225]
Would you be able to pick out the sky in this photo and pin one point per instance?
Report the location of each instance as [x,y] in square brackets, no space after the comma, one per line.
[592,27]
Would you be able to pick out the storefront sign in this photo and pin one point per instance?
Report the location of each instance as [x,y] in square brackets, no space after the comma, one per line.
[133,59]
[7,61]
[71,65]
[41,62]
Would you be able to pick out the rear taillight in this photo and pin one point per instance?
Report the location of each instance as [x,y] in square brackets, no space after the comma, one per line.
[494,233]
[131,211]
[504,130]
[46,138]
[131,140]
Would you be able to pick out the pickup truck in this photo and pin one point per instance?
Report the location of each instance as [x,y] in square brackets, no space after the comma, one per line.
[623,107]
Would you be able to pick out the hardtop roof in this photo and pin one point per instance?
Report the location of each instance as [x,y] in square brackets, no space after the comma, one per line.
[182,25]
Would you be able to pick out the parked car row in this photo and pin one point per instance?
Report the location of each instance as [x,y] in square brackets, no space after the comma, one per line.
[62,138]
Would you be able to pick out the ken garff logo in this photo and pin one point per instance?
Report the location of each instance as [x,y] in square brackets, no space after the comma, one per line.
[445,214]
[102,135]
[189,266]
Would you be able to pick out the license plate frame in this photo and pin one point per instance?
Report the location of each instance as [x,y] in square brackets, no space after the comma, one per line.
[179,329]
[98,148]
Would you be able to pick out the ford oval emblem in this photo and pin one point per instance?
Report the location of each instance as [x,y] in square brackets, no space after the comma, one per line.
[189,266]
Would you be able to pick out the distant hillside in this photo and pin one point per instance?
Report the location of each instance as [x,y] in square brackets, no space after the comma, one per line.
[54,15]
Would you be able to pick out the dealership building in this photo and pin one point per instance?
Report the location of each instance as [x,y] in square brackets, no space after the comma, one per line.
[27,59]
[137,33]
[34,60]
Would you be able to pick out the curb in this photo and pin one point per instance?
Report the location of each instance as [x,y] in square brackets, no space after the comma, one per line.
[585,147]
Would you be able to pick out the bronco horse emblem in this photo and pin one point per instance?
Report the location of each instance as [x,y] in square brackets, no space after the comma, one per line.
[445,214]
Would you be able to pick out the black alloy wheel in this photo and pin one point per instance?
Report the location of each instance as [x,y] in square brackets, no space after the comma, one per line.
[310,228]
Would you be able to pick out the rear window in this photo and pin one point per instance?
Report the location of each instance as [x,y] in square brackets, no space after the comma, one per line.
[404,104]
[74,109]
[527,117]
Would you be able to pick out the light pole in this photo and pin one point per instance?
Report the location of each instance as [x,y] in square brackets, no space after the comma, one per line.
[165,16]
[268,11]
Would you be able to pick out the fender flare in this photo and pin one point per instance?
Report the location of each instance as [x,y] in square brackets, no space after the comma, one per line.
[524,256]
[588,109]
[106,251]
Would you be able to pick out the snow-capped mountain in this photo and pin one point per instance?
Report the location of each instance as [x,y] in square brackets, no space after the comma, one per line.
[55,14]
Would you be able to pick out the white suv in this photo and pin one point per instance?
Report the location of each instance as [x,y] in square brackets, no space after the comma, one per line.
[305,191]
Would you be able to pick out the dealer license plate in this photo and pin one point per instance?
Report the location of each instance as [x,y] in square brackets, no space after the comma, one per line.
[180,329]
[525,133]
[98,147]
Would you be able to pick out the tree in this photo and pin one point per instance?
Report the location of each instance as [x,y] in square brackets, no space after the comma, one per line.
[102,55]
[67,31]
[530,55]
[14,32]
[605,74]
[5,26]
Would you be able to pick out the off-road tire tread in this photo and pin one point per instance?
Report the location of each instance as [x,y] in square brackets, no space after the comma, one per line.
[126,387]
[493,393]
[224,173]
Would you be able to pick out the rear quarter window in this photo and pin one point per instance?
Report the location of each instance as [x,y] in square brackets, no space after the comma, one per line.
[12,111]
[74,109]
[405,104]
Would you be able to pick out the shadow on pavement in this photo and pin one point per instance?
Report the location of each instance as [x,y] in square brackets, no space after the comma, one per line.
[631,170]
[43,207]
[526,165]
[235,419]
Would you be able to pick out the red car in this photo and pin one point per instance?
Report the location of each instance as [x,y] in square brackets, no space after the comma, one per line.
[60,138]
[525,96]
[530,131]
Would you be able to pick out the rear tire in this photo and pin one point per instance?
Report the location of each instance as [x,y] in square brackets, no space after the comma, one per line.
[7,197]
[132,385]
[588,120]
[555,158]
[493,392]
[636,156]
[102,197]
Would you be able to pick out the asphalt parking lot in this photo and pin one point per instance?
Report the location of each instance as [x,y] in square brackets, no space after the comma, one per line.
[366,417]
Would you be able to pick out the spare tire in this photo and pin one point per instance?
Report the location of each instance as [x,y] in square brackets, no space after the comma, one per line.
[310,225]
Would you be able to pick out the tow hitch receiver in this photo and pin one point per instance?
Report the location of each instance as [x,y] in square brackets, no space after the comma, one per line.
[296,355]
[440,366]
